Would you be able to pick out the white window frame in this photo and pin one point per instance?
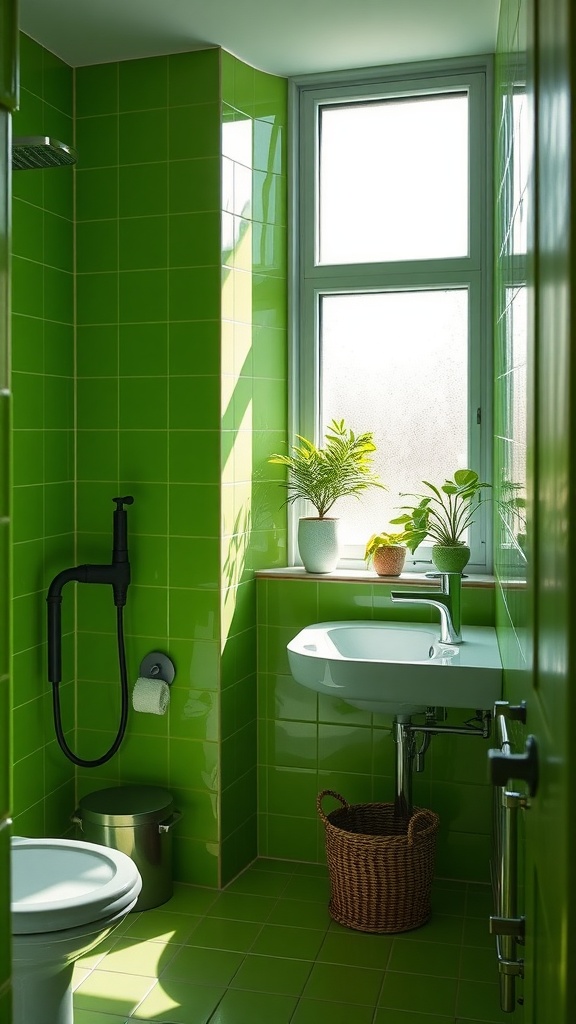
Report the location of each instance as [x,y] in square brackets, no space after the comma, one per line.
[309,280]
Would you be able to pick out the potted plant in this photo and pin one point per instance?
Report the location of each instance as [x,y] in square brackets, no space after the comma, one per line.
[387,553]
[444,515]
[321,475]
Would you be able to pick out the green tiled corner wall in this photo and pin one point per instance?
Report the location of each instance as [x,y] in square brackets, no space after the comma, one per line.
[310,742]
[42,440]
[175,392]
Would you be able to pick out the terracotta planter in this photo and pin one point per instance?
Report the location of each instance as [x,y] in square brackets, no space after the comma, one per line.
[318,544]
[450,559]
[389,560]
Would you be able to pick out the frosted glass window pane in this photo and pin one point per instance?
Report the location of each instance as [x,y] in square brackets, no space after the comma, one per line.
[394,180]
[396,363]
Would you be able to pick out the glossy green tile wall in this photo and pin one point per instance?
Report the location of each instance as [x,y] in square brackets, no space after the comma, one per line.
[308,743]
[180,393]
[148,341]
[254,414]
[178,409]
[513,157]
[42,438]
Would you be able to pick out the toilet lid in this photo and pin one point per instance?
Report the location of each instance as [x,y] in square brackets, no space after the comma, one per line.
[61,883]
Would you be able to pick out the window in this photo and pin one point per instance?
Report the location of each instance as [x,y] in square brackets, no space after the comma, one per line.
[392,282]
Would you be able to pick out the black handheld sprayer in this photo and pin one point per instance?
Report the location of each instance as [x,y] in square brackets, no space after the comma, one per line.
[117,574]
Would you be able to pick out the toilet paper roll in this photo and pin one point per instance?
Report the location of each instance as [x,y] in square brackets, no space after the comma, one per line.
[151,696]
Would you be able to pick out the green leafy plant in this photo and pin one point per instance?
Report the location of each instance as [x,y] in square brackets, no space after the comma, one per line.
[445,514]
[384,540]
[340,468]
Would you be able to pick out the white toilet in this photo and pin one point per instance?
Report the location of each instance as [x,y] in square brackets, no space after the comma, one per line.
[67,896]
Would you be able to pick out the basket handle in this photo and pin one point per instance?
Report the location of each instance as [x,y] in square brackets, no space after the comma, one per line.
[320,797]
[414,821]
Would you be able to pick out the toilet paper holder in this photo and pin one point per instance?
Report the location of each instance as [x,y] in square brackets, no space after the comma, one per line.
[157,666]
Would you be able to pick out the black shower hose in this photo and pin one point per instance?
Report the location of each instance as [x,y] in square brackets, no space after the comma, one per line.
[80,761]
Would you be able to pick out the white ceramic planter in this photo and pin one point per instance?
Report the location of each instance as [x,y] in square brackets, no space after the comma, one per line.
[318,544]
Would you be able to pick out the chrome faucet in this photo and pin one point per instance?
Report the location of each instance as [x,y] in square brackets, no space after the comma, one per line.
[448,602]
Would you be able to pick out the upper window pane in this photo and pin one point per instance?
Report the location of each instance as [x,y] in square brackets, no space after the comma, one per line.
[393,180]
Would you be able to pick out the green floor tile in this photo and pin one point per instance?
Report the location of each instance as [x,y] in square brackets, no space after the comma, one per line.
[356,950]
[448,901]
[477,932]
[283,867]
[312,1011]
[179,1003]
[260,883]
[112,993]
[480,1002]
[344,984]
[241,906]
[439,959]
[162,926]
[384,1016]
[420,993]
[309,888]
[190,899]
[440,928]
[78,977]
[131,955]
[219,933]
[478,964]
[315,870]
[202,966]
[479,901]
[285,941]
[253,1008]
[93,1017]
[300,914]
[272,974]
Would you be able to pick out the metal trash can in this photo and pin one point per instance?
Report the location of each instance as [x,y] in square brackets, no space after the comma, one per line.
[138,821]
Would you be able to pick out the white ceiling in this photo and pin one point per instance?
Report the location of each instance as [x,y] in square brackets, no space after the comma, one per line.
[283,37]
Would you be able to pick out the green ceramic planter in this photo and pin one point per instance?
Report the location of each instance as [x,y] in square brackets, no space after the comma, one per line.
[450,559]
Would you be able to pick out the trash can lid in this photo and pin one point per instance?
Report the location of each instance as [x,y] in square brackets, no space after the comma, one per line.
[126,805]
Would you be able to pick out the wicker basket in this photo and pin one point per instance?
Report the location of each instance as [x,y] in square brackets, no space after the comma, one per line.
[381,866]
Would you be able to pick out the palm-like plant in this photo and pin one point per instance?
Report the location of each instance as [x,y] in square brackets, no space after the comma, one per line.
[322,475]
[445,515]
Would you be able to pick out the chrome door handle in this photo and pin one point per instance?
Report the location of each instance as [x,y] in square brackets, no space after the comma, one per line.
[504,767]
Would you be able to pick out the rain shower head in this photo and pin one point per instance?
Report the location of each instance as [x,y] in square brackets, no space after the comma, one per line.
[34,152]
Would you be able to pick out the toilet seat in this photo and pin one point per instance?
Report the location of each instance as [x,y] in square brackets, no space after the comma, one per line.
[59,884]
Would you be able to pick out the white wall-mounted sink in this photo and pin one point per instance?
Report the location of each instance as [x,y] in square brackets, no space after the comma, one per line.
[397,668]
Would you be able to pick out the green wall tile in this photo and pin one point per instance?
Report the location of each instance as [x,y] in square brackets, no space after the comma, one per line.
[143,403]
[97,403]
[194,131]
[194,185]
[148,302]
[193,76]
[143,85]
[143,348]
[97,140]
[97,246]
[96,90]
[97,193]
[97,298]
[143,243]
[143,455]
[143,296]
[143,190]
[137,130]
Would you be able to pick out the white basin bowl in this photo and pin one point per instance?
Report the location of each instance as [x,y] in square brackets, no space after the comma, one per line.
[397,668]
